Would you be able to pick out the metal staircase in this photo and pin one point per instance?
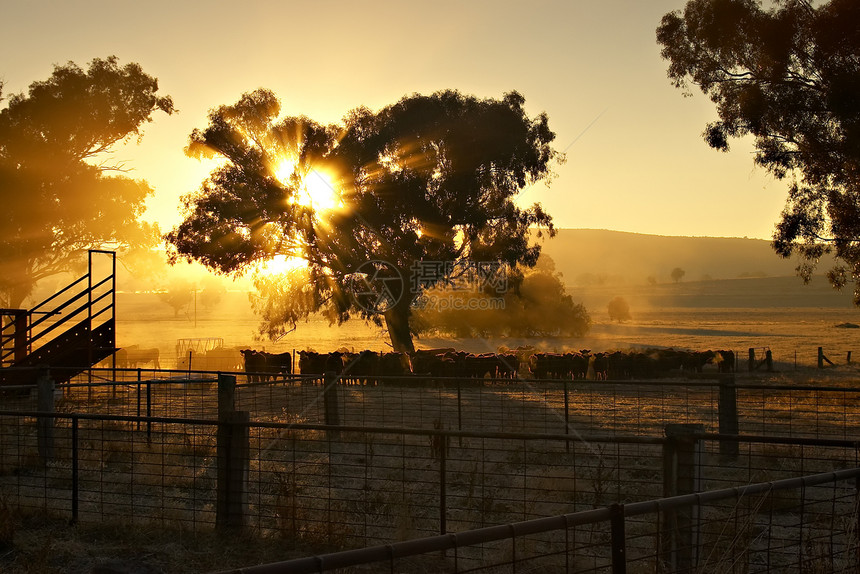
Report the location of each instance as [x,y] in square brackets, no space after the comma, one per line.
[66,333]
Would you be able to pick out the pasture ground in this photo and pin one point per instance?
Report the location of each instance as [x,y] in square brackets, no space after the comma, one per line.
[792,334]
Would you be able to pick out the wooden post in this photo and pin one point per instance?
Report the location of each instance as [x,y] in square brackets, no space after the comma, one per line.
[848,359]
[45,402]
[233,454]
[682,467]
[20,334]
[330,402]
[751,362]
[233,450]
[822,358]
[226,393]
[768,360]
[728,415]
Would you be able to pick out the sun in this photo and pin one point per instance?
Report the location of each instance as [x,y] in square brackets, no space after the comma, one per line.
[321,192]
[317,189]
[282,265]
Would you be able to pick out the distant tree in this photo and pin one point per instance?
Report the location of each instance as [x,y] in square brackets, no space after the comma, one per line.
[178,294]
[427,179]
[537,305]
[789,76]
[212,293]
[619,309]
[652,280]
[677,274]
[56,197]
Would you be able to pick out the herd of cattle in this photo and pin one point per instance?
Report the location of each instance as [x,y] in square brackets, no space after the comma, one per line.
[366,366]
[524,362]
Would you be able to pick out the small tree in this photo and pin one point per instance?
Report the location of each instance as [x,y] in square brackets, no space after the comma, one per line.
[179,294]
[677,274]
[213,291]
[537,305]
[619,309]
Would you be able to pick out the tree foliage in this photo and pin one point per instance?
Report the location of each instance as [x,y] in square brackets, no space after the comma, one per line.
[429,178]
[789,77]
[619,309]
[59,195]
[534,305]
[677,274]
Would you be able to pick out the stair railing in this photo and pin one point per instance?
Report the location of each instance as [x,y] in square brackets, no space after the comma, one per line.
[83,299]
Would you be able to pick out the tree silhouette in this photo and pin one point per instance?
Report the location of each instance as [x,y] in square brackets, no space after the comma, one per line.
[789,77]
[422,185]
[619,309]
[677,274]
[537,306]
[58,198]
[178,294]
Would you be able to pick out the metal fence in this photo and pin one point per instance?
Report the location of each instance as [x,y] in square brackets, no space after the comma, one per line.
[727,404]
[405,459]
[807,524]
[352,486]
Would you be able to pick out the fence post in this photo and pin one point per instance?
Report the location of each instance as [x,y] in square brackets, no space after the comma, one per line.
[233,453]
[75,480]
[682,467]
[618,541]
[728,415]
[751,360]
[45,404]
[226,394]
[566,416]
[332,410]
[443,482]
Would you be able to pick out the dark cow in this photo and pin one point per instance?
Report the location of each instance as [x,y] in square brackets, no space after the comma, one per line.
[312,363]
[133,356]
[360,368]
[261,366]
[725,361]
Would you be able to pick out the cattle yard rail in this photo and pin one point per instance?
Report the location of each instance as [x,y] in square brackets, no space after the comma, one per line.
[724,530]
[728,404]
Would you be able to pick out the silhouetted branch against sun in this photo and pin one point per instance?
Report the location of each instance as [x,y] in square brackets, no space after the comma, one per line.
[427,178]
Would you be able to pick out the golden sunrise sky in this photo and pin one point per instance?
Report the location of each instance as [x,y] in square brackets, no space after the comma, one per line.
[635,157]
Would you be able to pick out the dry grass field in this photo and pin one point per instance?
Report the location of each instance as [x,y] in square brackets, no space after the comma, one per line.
[793,334]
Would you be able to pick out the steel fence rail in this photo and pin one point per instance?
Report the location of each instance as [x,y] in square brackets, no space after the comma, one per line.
[509,532]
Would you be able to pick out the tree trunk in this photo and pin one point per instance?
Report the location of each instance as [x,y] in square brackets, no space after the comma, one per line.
[15,296]
[397,322]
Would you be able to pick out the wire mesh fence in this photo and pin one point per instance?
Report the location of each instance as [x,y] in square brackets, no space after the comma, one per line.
[806,524]
[412,458]
[729,404]
[351,485]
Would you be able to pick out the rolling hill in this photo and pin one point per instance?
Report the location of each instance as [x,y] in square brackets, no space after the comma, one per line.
[597,265]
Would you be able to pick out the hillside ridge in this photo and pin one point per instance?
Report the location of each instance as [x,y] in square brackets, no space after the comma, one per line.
[620,256]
